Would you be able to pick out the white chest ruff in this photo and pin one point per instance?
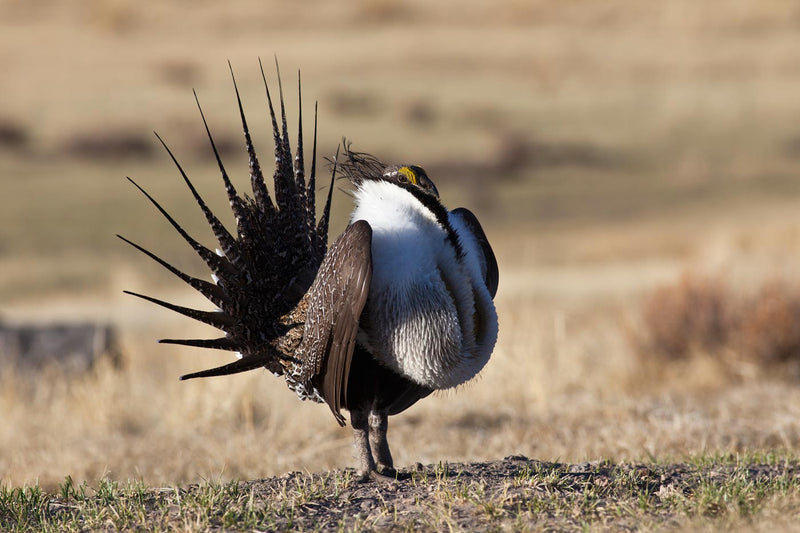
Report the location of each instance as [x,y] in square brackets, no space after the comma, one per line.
[429,315]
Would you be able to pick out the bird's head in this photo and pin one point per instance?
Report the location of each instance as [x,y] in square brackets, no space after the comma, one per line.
[359,167]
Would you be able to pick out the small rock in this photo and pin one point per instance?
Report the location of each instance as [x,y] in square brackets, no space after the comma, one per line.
[578,468]
[367,505]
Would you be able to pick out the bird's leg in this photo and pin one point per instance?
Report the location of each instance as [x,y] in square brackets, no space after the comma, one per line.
[359,419]
[378,424]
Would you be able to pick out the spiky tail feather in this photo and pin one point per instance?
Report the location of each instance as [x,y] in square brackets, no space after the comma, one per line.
[266,267]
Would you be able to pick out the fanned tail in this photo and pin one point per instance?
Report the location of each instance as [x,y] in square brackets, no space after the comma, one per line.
[263,270]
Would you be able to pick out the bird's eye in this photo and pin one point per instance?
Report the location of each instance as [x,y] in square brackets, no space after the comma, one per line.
[401,178]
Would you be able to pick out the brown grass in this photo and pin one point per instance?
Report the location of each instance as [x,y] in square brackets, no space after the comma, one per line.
[106,144]
[702,317]
[694,314]
[544,395]
[770,326]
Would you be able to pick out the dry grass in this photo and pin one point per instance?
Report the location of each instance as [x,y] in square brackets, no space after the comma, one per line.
[694,314]
[558,387]
[515,493]
[755,332]
[770,326]
[687,111]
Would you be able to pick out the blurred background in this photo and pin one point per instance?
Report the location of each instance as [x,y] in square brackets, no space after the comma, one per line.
[635,165]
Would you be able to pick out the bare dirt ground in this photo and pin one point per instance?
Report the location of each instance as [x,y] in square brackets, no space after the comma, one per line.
[518,493]
[515,493]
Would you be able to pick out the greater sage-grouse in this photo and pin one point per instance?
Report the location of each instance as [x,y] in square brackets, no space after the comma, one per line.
[400,304]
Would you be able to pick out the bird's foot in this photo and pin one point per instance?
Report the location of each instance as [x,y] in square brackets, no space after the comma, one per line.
[385,476]
[386,470]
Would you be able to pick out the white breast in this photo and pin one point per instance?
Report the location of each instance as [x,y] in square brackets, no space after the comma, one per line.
[420,317]
[406,239]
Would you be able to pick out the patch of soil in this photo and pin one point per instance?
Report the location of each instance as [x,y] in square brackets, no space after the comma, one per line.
[514,492]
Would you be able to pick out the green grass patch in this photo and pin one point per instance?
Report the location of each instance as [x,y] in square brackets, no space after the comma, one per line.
[515,493]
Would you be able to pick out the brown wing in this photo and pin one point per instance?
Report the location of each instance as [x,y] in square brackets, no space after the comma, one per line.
[336,299]
[492,274]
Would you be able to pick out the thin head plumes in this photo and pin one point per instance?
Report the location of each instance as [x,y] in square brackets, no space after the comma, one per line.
[359,166]
[261,270]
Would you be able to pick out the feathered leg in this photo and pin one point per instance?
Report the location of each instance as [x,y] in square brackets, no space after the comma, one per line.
[369,433]
[359,419]
[378,424]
